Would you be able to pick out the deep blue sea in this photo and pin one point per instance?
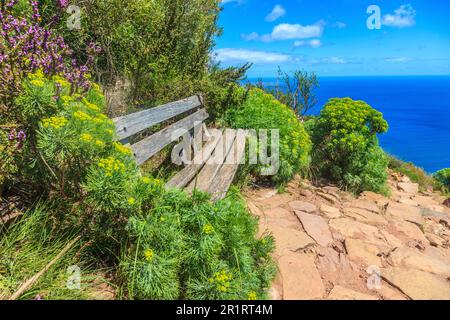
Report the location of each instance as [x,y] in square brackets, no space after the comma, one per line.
[416,108]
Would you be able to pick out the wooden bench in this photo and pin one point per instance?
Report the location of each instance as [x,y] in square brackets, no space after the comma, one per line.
[214,154]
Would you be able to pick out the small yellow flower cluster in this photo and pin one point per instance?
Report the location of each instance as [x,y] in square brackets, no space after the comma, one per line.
[82,116]
[252,295]
[146,180]
[37,83]
[149,255]
[86,137]
[111,165]
[61,81]
[55,122]
[208,228]
[38,74]
[222,280]
[96,87]
[123,149]
[66,100]
[131,201]
[91,106]
[99,143]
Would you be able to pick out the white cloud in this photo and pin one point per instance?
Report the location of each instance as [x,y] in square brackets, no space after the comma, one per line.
[250,36]
[398,60]
[330,60]
[229,1]
[340,25]
[314,43]
[245,55]
[404,16]
[277,12]
[286,31]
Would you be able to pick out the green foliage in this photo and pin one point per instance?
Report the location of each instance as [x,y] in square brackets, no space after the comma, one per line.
[443,178]
[27,246]
[163,47]
[189,248]
[346,146]
[416,174]
[8,153]
[298,91]
[176,243]
[262,111]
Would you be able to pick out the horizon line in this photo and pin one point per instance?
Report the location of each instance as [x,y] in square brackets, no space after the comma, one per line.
[361,76]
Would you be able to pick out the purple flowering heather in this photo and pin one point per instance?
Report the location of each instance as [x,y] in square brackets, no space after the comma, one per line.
[63,3]
[25,46]
[21,136]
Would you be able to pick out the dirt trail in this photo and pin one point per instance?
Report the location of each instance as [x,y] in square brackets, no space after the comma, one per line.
[331,245]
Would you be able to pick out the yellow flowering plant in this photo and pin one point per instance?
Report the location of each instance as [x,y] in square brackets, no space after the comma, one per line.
[346,148]
[185,247]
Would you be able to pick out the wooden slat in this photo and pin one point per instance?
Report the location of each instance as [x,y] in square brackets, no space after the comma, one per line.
[222,181]
[210,169]
[149,146]
[131,124]
[183,177]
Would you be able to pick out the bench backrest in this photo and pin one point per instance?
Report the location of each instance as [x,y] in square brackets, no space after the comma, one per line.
[129,125]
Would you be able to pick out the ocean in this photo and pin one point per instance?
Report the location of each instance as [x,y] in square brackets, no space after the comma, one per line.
[416,108]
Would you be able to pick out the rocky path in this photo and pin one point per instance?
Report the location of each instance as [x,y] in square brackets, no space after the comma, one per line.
[331,245]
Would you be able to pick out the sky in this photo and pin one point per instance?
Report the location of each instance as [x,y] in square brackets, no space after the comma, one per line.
[336,37]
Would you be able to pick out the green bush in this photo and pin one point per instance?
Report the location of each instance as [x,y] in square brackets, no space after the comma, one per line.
[443,177]
[70,158]
[346,146]
[189,248]
[416,174]
[263,111]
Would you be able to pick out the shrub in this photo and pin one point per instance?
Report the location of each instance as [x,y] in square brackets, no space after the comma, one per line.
[189,248]
[346,146]
[26,49]
[163,47]
[416,174]
[296,91]
[263,111]
[443,178]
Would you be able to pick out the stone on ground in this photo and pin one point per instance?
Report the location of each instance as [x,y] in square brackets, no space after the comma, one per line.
[357,230]
[404,212]
[316,227]
[341,293]
[365,205]
[411,258]
[408,187]
[301,280]
[409,230]
[365,216]
[330,212]
[302,206]
[289,240]
[416,284]
[358,250]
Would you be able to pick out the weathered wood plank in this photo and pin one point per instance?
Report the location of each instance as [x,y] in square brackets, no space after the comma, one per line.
[149,146]
[222,182]
[183,177]
[208,172]
[131,124]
